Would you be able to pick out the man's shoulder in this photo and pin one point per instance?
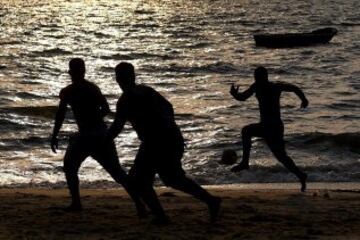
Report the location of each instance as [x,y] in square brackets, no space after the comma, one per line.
[277,84]
[282,85]
[123,99]
[140,91]
[82,84]
[144,88]
[79,88]
[88,88]
[144,92]
[140,94]
[66,91]
[67,88]
[90,85]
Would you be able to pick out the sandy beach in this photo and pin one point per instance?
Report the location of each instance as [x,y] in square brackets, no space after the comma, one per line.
[260,213]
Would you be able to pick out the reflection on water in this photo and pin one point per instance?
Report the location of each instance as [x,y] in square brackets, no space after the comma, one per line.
[191,51]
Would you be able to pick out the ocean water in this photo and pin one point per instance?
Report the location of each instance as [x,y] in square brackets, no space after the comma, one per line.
[190,51]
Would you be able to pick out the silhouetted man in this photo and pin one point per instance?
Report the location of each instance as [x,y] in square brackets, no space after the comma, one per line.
[271,128]
[89,107]
[162,144]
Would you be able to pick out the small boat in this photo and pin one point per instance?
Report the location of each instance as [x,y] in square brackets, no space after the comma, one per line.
[288,40]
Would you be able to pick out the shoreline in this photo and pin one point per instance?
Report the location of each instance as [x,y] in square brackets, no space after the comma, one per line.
[351,186]
[267,213]
[110,185]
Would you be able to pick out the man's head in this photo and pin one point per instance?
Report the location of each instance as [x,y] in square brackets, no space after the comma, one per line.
[125,75]
[77,69]
[261,75]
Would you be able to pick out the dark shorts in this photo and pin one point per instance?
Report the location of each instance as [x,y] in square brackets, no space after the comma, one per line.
[162,159]
[272,134]
[92,145]
[268,132]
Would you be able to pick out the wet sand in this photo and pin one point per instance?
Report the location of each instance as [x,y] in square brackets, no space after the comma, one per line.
[246,214]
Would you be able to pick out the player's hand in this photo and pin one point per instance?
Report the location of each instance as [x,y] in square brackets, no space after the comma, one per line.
[304,103]
[234,90]
[54,144]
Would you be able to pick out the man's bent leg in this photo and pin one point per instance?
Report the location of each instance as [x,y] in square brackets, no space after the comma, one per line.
[172,174]
[73,158]
[142,175]
[108,158]
[277,146]
[247,133]
[188,186]
[148,195]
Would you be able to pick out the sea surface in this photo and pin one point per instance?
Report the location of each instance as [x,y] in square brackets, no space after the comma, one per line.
[191,52]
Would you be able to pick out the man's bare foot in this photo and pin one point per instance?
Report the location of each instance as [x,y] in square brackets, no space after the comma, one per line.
[240,167]
[160,220]
[73,208]
[214,209]
[303,182]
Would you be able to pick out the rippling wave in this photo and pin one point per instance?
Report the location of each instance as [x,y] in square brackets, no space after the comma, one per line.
[341,140]
[190,51]
[40,111]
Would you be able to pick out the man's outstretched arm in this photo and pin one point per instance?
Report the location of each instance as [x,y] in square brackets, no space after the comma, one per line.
[242,96]
[292,88]
[59,119]
[116,127]
[104,106]
[118,124]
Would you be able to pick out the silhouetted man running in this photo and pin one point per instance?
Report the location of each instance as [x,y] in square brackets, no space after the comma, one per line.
[89,107]
[162,144]
[271,128]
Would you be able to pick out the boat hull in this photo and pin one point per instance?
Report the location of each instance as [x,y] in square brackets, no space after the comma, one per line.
[320,36]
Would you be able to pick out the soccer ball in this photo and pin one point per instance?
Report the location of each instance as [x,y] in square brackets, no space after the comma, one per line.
[228,157]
